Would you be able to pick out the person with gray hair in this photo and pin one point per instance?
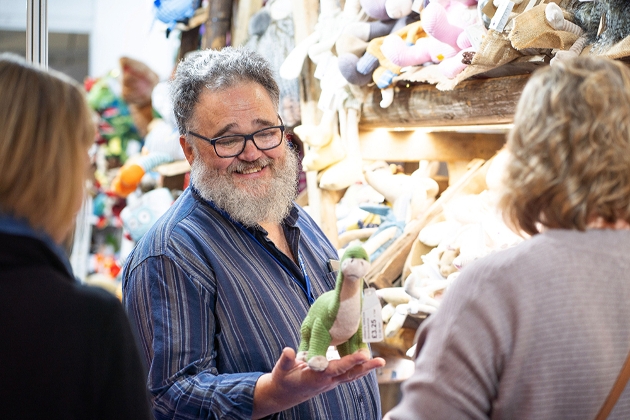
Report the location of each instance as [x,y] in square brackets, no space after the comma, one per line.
[219,286]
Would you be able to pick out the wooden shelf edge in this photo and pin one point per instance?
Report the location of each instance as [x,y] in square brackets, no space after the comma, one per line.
[472,102]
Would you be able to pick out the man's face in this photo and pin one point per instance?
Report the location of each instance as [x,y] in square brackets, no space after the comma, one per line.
[255,186]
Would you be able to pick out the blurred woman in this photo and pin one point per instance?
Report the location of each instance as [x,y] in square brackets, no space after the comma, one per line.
[541,330]
[66,350]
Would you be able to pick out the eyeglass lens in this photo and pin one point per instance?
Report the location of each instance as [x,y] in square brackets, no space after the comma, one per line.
[265,139]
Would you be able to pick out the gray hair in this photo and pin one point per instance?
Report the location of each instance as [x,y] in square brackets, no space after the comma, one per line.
[217,70]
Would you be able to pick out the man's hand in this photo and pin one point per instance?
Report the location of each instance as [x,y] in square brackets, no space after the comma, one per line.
[292,382]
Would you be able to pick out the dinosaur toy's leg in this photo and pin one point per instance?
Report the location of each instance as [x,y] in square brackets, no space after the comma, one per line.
[356,341]
[320,340]
[344,349]
[305,332]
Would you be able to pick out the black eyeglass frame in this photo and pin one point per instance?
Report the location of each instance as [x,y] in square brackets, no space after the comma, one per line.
[250,136]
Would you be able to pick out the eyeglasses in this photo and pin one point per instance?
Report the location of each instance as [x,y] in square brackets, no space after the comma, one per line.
[234,144]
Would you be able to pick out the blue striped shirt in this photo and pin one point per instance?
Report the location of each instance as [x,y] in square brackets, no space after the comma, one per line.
[215,303]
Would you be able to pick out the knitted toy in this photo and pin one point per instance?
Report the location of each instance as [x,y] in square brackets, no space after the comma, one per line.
[173,11]
[138,82]
[447,21]
[348,170]
[423,50]
[390,17]
[324,141]
[130,174]
[272,36]
[335,317]
[139,215]
[555,19]
[605,22]
[386,9]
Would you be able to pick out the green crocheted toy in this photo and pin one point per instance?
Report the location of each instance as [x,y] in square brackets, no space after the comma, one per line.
[335,317]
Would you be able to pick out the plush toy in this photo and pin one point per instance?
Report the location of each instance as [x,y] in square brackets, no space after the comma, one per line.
[353,43]
[555,18]
[130,174]
[173,11]
[605,22]
[138,81]
[445,262]
[324,141]
[348,170]
[447,21]
[116,128]
[361,69]
[335,317]
[423,50]
[272,36]
[389,229]
[140,214]
[409,195]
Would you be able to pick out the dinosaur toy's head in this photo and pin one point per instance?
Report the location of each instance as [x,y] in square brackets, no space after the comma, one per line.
[355,263]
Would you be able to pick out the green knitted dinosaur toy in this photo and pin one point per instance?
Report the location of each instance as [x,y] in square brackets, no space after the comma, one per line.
[335,317]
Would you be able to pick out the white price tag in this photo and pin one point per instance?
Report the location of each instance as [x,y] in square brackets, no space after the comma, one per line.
[372,318]
[501,16]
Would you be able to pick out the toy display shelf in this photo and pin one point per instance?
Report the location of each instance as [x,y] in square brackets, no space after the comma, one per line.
[424,123]
[472,102]
[464,128]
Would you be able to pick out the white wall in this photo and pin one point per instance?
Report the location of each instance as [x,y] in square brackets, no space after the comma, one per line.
[127,28]
[116,28]
[75,16]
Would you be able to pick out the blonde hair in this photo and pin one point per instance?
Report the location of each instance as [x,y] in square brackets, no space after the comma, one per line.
[570,147]
[46,128]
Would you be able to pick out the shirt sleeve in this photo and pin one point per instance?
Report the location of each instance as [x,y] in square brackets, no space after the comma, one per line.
[174,316]
[461,352]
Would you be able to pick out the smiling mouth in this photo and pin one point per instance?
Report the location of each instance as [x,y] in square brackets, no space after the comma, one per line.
[250,171]
[248,168]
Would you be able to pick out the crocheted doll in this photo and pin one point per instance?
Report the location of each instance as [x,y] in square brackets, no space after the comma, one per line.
[335,317]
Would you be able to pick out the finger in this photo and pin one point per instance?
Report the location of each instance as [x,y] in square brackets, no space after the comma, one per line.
[286,361]
[341,366]
[360,371]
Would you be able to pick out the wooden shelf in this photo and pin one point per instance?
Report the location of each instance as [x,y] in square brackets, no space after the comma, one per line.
[472,102]
[414,146]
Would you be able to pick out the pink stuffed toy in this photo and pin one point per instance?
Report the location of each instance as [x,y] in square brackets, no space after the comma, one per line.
[424,50]
[446,21]
[390,16]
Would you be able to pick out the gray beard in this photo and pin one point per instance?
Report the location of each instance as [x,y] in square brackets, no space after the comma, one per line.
[250,202]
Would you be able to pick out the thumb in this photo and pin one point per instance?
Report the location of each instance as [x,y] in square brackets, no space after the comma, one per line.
[287,359]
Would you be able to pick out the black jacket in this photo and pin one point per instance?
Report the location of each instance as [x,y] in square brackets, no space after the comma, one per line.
[66,350]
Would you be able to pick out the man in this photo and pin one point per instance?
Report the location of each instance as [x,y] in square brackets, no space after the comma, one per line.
[219,286]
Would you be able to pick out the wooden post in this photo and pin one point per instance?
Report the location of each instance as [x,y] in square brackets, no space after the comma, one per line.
[189,42]
[305,15]
[218,24]
[245,10]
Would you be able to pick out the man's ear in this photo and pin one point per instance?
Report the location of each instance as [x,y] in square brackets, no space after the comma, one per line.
[187,148]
